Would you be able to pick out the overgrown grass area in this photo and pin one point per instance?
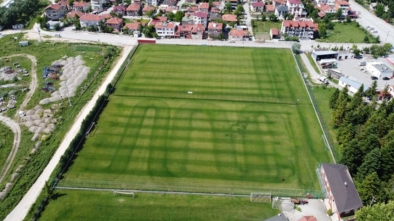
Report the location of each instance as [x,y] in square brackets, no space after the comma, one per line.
[347,33]
[83,205]
[265,26]
[6,141]
[46,53]
[196,119]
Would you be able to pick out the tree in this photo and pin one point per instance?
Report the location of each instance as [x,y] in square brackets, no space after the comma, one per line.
[149,31]
[296,48]
[379,11]
[366,39]
[263,17]
[334,99]
[178,16]
[273,18]
[370,187]
[371,92]
[48,190]
[339,13]
[322,30]
[227,8]
[380,211]
[387,48]
[387,159]
[348,19]
[339,112]
[346,133]
[370,165]
[352,156]
[170,16]
[71,2]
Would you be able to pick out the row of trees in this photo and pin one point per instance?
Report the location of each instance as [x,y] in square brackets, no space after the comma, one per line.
[366,139]
[18,12]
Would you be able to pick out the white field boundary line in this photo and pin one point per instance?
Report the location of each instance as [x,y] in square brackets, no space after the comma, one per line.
[23,207]
[153,191]
[313,104]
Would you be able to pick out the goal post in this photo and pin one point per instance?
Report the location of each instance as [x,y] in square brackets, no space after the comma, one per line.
[260,197]
[127,193]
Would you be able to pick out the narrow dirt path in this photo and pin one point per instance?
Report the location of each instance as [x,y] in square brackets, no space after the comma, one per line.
[17,139]
[13,125]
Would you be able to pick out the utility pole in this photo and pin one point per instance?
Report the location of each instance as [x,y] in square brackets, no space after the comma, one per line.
[39,34]
[387,36]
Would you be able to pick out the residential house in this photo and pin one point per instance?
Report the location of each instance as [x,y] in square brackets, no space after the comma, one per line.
[274,33]
[72,14]
[119,9]
[55,12]
[229,18]
[187,19]
[170,2]
[238,35]
[281,11]
[325,9]
[343,197]
[200,18]
[133,9]
[296,8]
[190,1]
[152,2]
[185,31]
[198,32]
[203,7]
[97,5]
[215,12]
[326,2]
[87,20]
[253,1]
[215,29]
[276,3]
[137,2]
[257,7]
[81,6]
[300,29]
[172,9]
[147,9]
[129,28]
[344,5]
[191,9]
[160,19]
[270,8]
[115,23]
[64,4]
[166,30]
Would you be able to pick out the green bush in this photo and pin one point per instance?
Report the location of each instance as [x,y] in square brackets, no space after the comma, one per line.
[329,212]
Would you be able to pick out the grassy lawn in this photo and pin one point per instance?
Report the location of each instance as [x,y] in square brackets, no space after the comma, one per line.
[45,53]
[346,33]
[6,141]
[265,26]
[153,207]
[239,131]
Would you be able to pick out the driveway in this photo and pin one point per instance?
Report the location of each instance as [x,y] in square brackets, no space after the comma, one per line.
[314,208]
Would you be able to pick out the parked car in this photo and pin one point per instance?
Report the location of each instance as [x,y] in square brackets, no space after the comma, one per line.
[299,201]
[374,78]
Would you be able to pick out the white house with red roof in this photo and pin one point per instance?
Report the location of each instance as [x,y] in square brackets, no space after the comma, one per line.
[215,29]
[296,8]
[72,14]
[166,30]
[87,20]
[191,31]
[55,12]
[115,23]
[200,18]
[238,35]
[191,1]
[300,29]
[119,9]
[152,2]
[148,8]
[97,5]
[344,5]
[133,10]
[81,6]
[274,33]
[203,7]
[257,7]
[327,2]
[325,9]
[132,27]
[229,18]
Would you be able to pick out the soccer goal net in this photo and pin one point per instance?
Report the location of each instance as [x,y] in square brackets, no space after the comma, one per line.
[260,197]
[127,193]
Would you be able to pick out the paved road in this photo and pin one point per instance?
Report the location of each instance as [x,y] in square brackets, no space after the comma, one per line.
[20,211]
[366,18]
[15,146]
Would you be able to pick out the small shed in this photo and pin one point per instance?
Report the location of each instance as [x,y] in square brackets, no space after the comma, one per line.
[352,85]
[23,43]
[319,55]
[274,33]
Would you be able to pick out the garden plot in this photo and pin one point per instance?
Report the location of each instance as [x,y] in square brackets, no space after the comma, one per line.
[74,73]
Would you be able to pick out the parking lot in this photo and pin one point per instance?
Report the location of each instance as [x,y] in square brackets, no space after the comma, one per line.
[315,208]
[350,68]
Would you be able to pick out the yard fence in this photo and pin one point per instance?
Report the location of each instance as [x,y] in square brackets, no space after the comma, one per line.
[328,140]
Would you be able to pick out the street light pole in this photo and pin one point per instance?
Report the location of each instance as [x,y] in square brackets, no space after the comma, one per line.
[387,36]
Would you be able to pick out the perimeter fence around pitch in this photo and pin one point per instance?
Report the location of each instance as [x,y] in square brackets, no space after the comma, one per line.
[186,187]
[327,139]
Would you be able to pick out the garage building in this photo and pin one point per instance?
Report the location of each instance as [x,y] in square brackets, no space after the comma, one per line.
[319,55]
[379,70]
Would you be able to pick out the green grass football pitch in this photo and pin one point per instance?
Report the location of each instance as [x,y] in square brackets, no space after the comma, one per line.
[241,129]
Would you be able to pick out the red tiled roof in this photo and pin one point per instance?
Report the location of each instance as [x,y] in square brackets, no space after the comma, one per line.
[165,25]
[90,17]
[258,4]
[201,14]
[53,6]
[63,3]
[298,2]
[204,5]
[73,13]
[217,4]
[307,218]
[274,31]
[105,16]
[132,26]
[80,4]
[133,7]
[324,7]
[280,2]
[114,21]
[211,25]
[321,14]
[340,2]
[229,18]
[238,33]
[270,8]
[172,8]
[148,8]
[198,27]
[120,8]
[185,27]
[309,24]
